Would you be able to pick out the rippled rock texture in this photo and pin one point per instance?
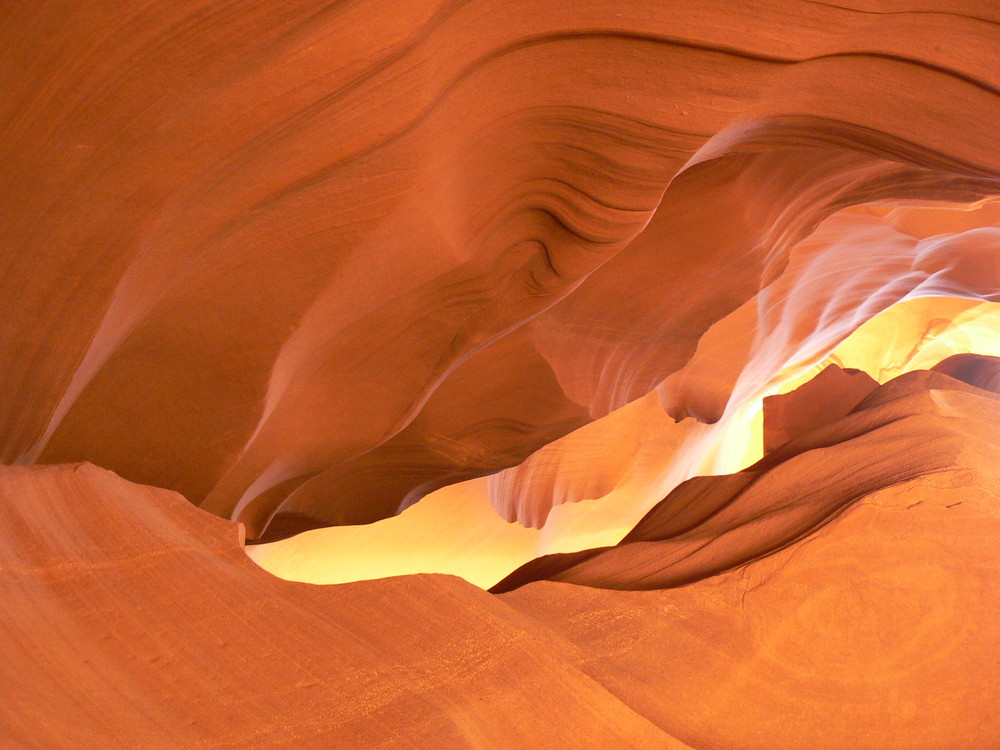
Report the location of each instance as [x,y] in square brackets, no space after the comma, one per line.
[495,278]
[840,593]
[133,619]
[306,262]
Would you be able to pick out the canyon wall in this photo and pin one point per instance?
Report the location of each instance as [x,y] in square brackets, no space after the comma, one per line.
[306,262]
[669,328]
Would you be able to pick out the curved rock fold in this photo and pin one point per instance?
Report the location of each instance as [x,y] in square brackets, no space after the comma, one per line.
[672,324]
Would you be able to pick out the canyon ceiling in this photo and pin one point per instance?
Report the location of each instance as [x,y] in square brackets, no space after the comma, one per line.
[488,374]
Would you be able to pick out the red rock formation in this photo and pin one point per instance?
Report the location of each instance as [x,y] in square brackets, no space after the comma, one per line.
[262,255]
[824,399]
[845,585]
[839,594]
[982,372]
[908,433]
[304,263]
[133,619]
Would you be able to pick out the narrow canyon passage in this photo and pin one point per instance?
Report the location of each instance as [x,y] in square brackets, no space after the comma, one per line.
[597,482]
[478,374]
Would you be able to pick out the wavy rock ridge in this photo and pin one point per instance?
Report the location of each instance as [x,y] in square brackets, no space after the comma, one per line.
[134,619]
[854,562]
[598,482]
[309,262]
[499,278]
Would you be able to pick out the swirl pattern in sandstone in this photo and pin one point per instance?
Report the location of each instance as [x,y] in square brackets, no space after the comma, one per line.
[312,261]
[846,584]
[435,266]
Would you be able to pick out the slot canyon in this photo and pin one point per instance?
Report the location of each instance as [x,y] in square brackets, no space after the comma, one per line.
[500,374]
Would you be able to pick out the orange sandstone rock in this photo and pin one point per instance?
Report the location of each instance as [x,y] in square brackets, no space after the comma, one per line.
[824,399]
[319,260]
[133,619]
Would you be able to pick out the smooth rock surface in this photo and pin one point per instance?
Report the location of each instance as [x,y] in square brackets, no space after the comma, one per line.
[310,262]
